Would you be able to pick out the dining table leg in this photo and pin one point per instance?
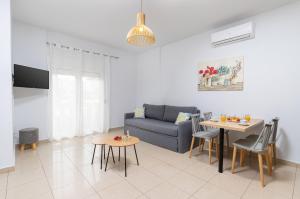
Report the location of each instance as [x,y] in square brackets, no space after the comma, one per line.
[221,149]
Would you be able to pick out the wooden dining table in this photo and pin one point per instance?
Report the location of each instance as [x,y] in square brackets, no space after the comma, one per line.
[233,126]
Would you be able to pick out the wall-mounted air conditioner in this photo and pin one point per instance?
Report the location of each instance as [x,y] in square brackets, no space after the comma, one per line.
[234,34]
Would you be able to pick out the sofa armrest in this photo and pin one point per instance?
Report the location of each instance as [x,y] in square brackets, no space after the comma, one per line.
[184,136]
[128,115]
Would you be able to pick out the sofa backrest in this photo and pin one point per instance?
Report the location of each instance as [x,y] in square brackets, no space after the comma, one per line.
[154,111]
[171,112]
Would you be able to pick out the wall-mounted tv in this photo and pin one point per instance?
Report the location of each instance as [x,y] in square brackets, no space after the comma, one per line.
[30,77]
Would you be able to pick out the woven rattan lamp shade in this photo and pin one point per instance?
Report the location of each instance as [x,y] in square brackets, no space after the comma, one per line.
[140,35]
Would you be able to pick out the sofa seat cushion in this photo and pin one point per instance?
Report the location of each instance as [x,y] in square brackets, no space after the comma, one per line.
[156,126]
[171,112]
[154,111]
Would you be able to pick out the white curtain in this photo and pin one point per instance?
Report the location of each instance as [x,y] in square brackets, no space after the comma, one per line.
[79,91]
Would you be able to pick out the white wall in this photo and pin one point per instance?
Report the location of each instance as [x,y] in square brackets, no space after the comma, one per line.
[123,89]
[31,105]
[149,78]
[272,72]
[6,140]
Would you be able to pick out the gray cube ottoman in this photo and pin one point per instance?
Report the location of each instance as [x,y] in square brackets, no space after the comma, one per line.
[28,136]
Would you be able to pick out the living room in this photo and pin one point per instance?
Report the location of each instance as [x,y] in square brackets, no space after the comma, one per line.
[189,112]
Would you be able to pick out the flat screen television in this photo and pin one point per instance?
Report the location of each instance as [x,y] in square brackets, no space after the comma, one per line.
[30,77]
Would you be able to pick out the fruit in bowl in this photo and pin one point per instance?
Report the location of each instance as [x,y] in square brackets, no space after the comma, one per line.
[235,119]
[117,138]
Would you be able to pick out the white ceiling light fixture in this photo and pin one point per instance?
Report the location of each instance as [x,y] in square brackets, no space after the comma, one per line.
[140,34]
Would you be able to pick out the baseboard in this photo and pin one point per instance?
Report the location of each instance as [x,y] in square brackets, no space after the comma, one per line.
[116,128]
[17,146]
[8,169]
[44,141]
[289,163]
[278,160]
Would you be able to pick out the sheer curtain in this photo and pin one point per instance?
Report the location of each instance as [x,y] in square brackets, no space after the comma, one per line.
[79,91]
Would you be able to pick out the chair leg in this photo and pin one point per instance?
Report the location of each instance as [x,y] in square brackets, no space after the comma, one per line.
[269,164]
[261,169]
[210,146]
[227,142]
[274,152]
[192,144]
[270,153]
[242,158]
[203,143]
[233,159]
[200,144]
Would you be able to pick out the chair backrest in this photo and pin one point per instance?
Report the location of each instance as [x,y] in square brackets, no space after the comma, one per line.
[196,119]
[274,130]
[263,138]
[207,115]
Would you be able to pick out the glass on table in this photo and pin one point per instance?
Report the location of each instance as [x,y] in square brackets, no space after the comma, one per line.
[223,118]
[247,117]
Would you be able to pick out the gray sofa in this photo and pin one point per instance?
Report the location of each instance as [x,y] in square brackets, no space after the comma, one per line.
[159,127]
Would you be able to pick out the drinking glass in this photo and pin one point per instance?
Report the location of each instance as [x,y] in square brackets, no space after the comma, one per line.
[223,118]
[247,117]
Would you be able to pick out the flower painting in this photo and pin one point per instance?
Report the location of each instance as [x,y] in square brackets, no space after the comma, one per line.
[221,75]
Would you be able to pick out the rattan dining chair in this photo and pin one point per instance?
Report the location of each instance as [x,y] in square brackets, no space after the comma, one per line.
[204,134]
[272,140]
[259,146]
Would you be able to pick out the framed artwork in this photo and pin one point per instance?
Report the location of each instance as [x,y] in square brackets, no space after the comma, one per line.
[221,75]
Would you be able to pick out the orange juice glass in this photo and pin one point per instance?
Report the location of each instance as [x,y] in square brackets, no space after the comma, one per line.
[223,118]
[247,117]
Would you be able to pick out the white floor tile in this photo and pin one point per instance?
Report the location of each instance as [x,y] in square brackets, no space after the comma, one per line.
[210,191]
[166,191]
[63,170]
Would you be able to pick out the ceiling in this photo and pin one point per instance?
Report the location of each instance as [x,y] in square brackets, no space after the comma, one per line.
[108,21]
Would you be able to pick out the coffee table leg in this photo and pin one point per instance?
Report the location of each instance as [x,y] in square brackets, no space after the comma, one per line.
[112,152]
[107,157]
[221,150]
[101,157]
[93,154]
[104,151]
[125,161]
[119,153]
[137,160]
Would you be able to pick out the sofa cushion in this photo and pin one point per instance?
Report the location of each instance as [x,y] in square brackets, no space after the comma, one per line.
[182,117]
[154,111]
[139,112]
[156,126]
[171,112]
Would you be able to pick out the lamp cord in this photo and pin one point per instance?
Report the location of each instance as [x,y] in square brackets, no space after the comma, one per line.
[141,5]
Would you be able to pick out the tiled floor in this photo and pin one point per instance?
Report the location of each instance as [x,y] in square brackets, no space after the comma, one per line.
[62,170]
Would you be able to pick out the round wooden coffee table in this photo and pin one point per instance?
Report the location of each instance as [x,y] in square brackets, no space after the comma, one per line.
[101,140]
[125,142]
